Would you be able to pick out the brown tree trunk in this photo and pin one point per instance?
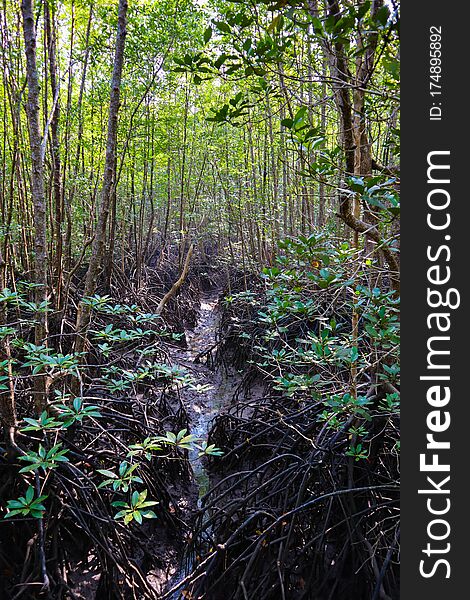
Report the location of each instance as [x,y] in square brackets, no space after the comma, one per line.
[178,283]
[83,315]
[357,157]
[7,398]
[37,164]
[37,186]
[55,151]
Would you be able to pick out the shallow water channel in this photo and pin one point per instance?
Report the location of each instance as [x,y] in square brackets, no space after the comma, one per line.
[202,407]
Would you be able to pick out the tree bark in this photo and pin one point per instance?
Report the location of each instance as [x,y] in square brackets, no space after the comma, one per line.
[8,416]
[37,189]
[37,166]
[356,144]
[55,150]
[178,283]
[83,314]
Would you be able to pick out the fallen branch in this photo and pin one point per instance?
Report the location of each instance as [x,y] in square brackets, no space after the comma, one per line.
[178,283]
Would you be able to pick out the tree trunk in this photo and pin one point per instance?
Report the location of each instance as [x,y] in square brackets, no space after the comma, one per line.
[37,165]
[83,315]
[353,128]
[37,189]
[7,398]
[55,151]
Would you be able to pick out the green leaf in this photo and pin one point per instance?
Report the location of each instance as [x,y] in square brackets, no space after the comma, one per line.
[148,503]
[276,23]
[120,514]
[392,67]
[382,15]
[33,467]
[29,494]
[16,504]
[107,473]
[12,513]
[223,27]
[317,25]
[207,34]
[181,434]
[300,115]
[220,61]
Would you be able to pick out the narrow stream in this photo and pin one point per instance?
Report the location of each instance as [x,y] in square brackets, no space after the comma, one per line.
[202,407]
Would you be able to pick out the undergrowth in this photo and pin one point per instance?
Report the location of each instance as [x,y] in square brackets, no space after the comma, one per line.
[304,504]
[96,472]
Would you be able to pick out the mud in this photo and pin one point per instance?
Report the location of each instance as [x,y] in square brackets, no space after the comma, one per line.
[202,407]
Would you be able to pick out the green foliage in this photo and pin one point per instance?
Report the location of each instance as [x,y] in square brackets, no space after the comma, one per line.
[377,192]
[228,134]
[68,410]
[123,479]
[147,448]
[180,440]
[209,450]
[45,359]
[357,452]
[7,296]
[76,412]
[26,506]
[308,350]
[6,331]
[136,510]
[391,403]
[44,422]
[121,335]
[232,111]
[44,459]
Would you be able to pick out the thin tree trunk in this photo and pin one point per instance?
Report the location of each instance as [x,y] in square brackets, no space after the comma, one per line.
[83,315]
[55,151]
[349,211]
[37,185]
[182,233]
[321,186]
[7,398]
